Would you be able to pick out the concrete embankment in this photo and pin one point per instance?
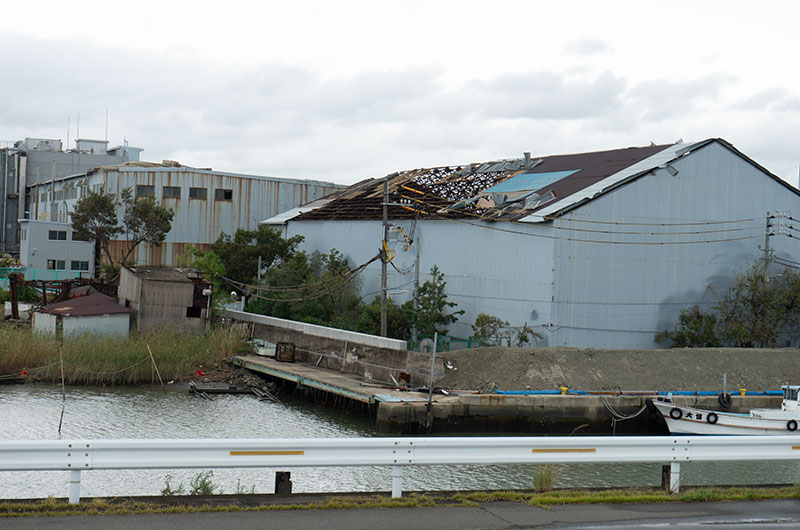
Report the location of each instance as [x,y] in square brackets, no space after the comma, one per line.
[405,412]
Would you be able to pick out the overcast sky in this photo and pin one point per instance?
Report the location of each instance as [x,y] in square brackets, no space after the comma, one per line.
[345,90]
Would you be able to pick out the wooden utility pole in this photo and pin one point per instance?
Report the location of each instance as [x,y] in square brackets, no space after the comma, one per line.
[384,255]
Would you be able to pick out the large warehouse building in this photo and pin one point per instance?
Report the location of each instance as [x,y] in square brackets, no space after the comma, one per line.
[599,249]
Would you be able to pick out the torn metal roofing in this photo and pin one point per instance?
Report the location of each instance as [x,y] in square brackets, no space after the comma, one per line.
[497,190]
[164,274]
[84,306]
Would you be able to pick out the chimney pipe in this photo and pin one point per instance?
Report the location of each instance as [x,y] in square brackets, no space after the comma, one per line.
[527,155]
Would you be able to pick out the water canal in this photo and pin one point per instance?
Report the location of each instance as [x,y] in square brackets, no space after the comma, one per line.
[33,412]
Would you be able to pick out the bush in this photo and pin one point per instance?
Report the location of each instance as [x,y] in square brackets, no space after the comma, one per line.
[695,329]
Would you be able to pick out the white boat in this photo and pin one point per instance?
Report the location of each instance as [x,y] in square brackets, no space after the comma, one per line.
[682,419]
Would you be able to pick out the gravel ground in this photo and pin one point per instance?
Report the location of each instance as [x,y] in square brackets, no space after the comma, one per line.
[486,369]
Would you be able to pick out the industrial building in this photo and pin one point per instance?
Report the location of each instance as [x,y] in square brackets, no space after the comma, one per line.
[28,165]
[600,249]
[206,203]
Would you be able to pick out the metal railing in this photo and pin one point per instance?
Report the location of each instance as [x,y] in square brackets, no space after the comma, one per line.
[77,456]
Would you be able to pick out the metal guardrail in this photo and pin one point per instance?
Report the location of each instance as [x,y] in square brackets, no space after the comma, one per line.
[77,456]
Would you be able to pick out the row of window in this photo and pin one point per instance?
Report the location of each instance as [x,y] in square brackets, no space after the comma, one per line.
[61,265]
[174,192]
[61,195]
[61,235]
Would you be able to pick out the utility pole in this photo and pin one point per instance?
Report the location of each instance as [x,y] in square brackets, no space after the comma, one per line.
[766,244]
[384,255]
[416,284]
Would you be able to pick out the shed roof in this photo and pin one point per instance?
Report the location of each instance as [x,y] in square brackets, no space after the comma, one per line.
[501,189]
[164,274]
[92,305]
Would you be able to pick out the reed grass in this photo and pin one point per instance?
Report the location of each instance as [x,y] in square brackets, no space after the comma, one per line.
[112,360]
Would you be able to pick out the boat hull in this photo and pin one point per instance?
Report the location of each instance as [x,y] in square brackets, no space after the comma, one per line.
[682,419]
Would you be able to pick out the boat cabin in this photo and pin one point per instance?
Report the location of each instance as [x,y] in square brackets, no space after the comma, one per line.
[790,393]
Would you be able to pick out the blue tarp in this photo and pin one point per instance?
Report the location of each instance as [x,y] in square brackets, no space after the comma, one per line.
[529,181]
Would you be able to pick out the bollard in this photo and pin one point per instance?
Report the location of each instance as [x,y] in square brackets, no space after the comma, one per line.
[74,486]
[742,391]
[564,390]
[397,482]
[283,483]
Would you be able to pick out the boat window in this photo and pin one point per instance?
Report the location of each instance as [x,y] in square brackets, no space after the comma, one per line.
[785,393]
[794,394]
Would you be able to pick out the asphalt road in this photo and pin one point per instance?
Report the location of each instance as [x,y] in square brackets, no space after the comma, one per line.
[684,516]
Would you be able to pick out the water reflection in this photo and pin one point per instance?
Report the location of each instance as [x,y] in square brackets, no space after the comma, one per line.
[33,412]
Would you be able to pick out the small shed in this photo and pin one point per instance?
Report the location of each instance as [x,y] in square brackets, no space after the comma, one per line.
[96,313]
[163,296]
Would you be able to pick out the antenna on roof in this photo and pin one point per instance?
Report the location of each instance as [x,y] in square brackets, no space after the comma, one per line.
[106,138]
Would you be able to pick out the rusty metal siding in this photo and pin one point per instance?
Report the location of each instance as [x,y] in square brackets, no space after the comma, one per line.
[164,302]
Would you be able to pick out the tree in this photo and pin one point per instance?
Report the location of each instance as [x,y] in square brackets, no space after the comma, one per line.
[431,314]
[755,308]
[143,220]
[95,219]
[695,329]
[490,329]
[312,289]
[369,320]
[241,252]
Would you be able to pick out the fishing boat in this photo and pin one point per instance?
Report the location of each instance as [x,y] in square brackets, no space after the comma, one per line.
[682,419]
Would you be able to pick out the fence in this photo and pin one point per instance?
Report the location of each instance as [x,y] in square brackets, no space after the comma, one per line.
[84,455]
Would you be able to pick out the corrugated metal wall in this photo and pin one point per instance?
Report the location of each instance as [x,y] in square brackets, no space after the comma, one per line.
[618,295]
[607,275]
[200,222]
[487,271]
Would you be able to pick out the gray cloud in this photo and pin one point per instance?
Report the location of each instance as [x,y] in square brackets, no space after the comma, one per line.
[281,120]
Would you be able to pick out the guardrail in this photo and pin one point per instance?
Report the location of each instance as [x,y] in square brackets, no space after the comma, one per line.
[77,456]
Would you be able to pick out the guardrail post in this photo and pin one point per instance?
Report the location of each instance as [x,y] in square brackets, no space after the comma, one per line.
[397,481]
[74,486]
[675,477]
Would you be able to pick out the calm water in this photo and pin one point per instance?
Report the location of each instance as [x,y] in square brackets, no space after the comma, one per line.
[32,412]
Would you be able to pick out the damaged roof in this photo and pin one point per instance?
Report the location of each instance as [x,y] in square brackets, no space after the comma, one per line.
[164,274]
[498,190]
[83,306]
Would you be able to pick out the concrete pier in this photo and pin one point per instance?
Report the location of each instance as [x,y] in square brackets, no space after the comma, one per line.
[405,412]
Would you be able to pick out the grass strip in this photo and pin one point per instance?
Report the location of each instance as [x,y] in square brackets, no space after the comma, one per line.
[111,360]
[52,507]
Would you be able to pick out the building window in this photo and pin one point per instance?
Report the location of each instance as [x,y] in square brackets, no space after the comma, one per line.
[145,191]
[57,235]
[79,265]
[198,193]
[194,312]
[56,265]
[171,192]
[223,195]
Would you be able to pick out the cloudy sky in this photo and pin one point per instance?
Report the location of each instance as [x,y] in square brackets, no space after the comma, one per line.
[346,90]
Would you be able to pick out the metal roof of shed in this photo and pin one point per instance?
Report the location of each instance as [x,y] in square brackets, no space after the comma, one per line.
[92,305]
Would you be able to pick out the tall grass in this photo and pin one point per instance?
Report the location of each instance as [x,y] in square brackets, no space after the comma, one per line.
[110,360]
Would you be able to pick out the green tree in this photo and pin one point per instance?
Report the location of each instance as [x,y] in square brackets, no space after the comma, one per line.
[210,267]
[95,219]
[369,319]
[143,220]
[695,329]
[489,329]
[240,253]
[431,314]
[754,309]
[313,289]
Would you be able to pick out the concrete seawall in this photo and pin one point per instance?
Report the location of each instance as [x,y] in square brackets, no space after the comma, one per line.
[399,411]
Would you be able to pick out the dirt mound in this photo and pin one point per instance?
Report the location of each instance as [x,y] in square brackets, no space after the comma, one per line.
[487,369]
